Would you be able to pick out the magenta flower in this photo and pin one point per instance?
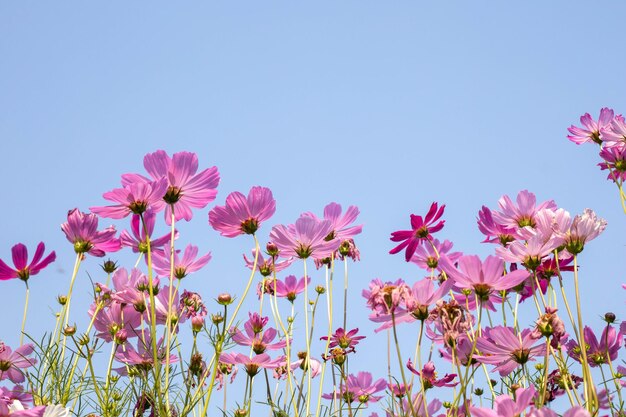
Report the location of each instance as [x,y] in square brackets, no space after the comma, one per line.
[427,256]
[345,340]
[598,351]
[505,406]
[182,267]
[290,287]
[493,231]
[592,131]
[306,238]
[186,189]
[266,266]
[521,213]
[360,388]
[483,278]
[503,347]
[136,198]
[614,161]
[13,361]
[241,214]
[582,229]
[138,242]
[341,228]
[114,318]
[252,365]
[429,376]
[259,342]
[81,229]
[23,270]
[421,230]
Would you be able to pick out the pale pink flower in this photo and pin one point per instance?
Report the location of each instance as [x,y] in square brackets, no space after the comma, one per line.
[505,406]
[186,189]
[267,266]
[505,348]
[614,161]
[81,229]
[182,267]
[260,342]
[135,198]
[592,131]
[14,408]
[138,242]
[290,287]
[252,365]
[521,213]
[22,269]
[306,238]
[615,134]
[576,411]
[12,362]
[493,231]
[419,406]
[599,350]
[422,229]
[241,214]
[385,297]
[113,318]
[341,225]
[530,253]
[427,256]
[580,230]
[142,358]
[360,388]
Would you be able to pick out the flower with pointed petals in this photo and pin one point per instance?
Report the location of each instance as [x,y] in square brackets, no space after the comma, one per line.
[290,287]
[482,278]
[13,361]
[615,134]
[505,406]
[23,270]
[503,347]
[113,318]
[421,230]
[530,253]
[345,340]
[521,213]
[576,411]
[81,229]
[186,189]
[427,256]
[614,161]
[259,342]
[241,214]
[142,358]
[182,267]
[138,242]
[385,297]
[252,365]
[306,238]
[592,131]
[341,228]
[429,376]
[580,230]
[135,198]
[418,405]
[360,388]
[266,266]
[493,231]
[18,393]
[316,366]
[599,351]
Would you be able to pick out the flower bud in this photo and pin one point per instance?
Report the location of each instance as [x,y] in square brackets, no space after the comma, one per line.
[83,339]
[271,249]
[216,318]
[109,266]
[609,318]
[120,336]
[240,412]
[478,391]
[224,299]
[197,323]
[320,289]
[69,330]
[62,299]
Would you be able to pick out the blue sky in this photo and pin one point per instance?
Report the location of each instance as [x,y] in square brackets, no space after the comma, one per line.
[385,105]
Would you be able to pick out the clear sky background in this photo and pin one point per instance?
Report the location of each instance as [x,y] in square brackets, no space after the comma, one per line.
[385,105]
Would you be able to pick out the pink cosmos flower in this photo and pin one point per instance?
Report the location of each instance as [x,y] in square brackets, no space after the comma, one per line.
[13,361]
[598,351]
[615,161]
[23,270]
[17,393]
[142,358]
[591,131]
[427,256]
[316,366]
[341,228]
[421,230]
[191,305]
[138,242]
[14,408]
[522,213]
[502,346]
[259,342]
[290,287]
[241,214]
[182,267]
[429,376]
[136,198]
[530,253]
[483,277]
[580,230]
[306,238]
[186,189]
[252,365]
[113,318]
[385,297]
[360,388]
[493,231]
[615,134]
[506,406]
[418,404]
[267,266]
[345,340]
[81,229]
[576,411]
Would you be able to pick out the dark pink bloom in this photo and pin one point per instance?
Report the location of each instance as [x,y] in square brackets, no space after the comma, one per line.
[306,238]
[421,230]
[502,346]
[267,266]
[290,287]
[138,242]
[81,229]
[505,406]
[241,214]
[494,232]
[186,189]
[427,256]
[429,376]
[13,361]
[191,305]
[521,213]
[591,130]
[136,198]
[23,270]
[345,340]
[252,365]
[341,228]
[483,277]
[598,351]
[614,161]
[255,323]
[182,267]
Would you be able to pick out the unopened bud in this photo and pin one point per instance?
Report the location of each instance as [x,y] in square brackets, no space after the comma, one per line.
[240,412]
[320,289]
[609,318]
[69,330]
[197,323]
[83,340]
[224,299]
[216,318]
[271,249]
[478,391]
[120,336]
[62,299]
[109,266]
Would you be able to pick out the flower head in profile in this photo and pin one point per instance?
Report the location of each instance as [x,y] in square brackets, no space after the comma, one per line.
[521,213]
[494,232]
[429,376]
[422,229]
[427,256]
[133,198]
[341,225]
[345,340]
[22,269]
[186,187]
[580,230]
[599,350]
[241,214]
[614,161]
[81,229]
[142,358]
[306,238]
[182,267]
[359,388]
[615,134]
[12,362]
[591,130]
[266,266]
[138,241]
[290,287]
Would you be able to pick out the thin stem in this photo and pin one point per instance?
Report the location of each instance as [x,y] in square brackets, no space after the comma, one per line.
[25,311]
